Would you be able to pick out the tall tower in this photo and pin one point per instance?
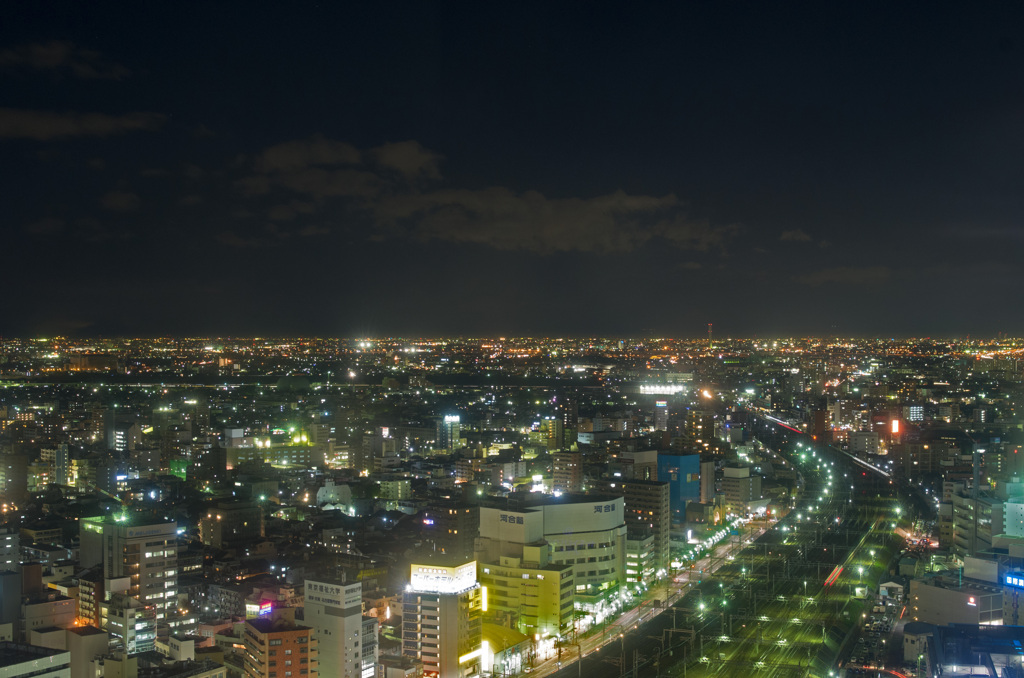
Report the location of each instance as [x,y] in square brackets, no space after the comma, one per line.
[711,346]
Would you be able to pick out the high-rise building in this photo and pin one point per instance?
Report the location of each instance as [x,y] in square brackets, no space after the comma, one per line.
[647,512]
[371,648]
[682,473]
[277,647]
[740,488]
[453,527]
[707,481]
[567,470]
[10,551]
[139,558]
[441,618]
[568,411]
[334,612]
[449,432]
[660,415]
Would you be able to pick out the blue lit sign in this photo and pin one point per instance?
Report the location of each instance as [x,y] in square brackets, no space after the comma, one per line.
[1014,579]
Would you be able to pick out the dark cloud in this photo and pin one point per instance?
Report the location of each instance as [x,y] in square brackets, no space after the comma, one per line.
[503,219]
[45,226]
[847,275]
[409,158]
[387,182]
[62,58]
[46,125]
[302,154]
[796,235]
[290,211]
[120,201]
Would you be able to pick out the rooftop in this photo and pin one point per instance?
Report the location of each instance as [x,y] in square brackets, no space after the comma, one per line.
[12,654]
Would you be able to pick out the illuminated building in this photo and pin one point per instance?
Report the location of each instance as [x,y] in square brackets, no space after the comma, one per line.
[334,612]
[449,431]
[568,411]
[277,647]
[535,594]
[295,452]
[130,624]
[587,532]
[567,472]
[740,489]
[552,433]
[139,559]
[371,649]
[441,618]
[10,552]
[660,415]
[647,514]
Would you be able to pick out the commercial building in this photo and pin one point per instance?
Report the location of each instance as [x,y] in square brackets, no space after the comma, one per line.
[945,600]
[587,532]
[334,611]
[441,618]
[277,647]
[534,594]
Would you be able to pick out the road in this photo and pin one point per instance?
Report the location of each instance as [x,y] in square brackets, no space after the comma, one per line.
[765,609]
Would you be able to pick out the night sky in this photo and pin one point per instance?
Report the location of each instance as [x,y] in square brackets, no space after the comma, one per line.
[370,169]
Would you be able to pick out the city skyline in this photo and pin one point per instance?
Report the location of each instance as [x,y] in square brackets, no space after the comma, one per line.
[434,170]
